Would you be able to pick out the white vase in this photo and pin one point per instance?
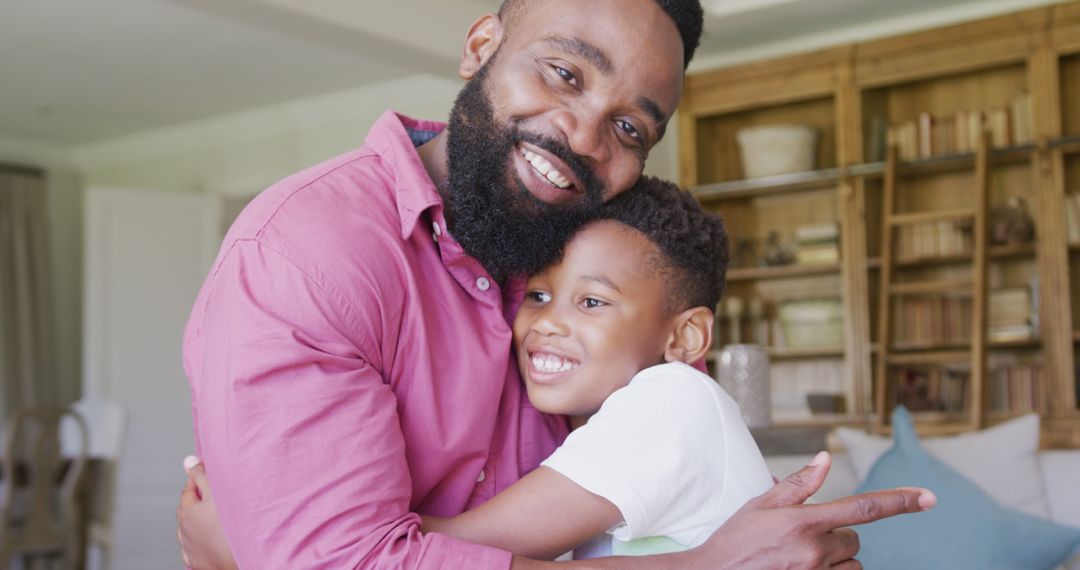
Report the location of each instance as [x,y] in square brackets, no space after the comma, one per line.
[743,371]
[777,149]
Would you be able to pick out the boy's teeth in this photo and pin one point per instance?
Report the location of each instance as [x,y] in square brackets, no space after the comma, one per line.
[541,165]
[552,363]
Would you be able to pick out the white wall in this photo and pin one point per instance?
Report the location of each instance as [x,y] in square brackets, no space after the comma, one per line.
[243,153]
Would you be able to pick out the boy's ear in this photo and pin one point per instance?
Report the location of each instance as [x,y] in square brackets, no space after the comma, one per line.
[692,336]
[482,41]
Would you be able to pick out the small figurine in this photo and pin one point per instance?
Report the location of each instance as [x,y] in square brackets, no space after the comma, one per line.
[1011,223]
[745,256]
[777,253]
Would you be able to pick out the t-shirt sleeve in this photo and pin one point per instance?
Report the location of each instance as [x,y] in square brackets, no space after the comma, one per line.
[656,450]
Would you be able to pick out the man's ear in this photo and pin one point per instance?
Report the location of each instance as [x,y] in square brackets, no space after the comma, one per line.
[692,336]
[481,43]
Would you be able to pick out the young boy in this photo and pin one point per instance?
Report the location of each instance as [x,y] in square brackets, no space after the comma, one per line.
[659,456]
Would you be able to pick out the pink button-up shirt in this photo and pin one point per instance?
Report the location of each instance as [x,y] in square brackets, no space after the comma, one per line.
[350,367]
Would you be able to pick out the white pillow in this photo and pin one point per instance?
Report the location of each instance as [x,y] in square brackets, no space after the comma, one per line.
[1003,460]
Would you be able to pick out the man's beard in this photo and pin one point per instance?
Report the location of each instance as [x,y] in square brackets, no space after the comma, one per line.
[493,215]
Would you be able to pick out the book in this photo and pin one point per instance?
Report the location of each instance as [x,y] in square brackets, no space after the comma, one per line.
[817,233]
[1072,217]
[1021,119]
[819,254]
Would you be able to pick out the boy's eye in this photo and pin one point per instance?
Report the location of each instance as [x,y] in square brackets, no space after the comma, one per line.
[538,296]
[591,303]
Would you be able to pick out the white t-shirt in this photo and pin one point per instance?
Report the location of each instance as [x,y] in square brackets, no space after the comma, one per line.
[671,452]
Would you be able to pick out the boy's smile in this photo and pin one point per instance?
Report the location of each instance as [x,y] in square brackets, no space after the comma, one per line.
[592,321]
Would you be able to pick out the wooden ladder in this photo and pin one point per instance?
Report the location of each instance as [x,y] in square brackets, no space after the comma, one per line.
[890,290]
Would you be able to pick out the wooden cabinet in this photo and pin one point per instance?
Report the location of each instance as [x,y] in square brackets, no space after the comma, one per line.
[931,95]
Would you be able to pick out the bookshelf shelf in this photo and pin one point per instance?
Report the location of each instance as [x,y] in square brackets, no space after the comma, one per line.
[1069,145]
[805,353]
[791,353]
[1000,345]
[953,162]
[863,99]
[996,252]
[781,272]
[766,185]
[828,178]
[819,420]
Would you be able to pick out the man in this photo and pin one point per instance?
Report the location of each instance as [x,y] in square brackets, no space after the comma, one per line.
[349,354]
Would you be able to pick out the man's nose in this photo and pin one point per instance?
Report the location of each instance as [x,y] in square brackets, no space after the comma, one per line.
[583,129]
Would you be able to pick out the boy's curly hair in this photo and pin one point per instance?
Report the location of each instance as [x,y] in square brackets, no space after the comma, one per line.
[693,242]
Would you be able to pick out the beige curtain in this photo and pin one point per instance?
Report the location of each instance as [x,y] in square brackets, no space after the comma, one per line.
[27,376]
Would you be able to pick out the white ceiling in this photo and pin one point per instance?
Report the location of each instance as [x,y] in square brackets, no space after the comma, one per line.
[77,71]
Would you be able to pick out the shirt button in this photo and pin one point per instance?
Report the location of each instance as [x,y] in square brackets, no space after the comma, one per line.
[483,284]
[435,226]
[481,477]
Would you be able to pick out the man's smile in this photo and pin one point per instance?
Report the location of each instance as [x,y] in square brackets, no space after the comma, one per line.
[545,175]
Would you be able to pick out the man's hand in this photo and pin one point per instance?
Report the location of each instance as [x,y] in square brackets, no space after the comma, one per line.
[776,530]
[202,541]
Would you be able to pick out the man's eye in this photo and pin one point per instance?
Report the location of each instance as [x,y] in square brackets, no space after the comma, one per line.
[629,128]
[591,303]
[566,75]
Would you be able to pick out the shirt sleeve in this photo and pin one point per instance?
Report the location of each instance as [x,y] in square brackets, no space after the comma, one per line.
[656,450]
[299,432]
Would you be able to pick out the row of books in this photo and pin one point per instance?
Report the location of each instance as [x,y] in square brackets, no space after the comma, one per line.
[940,389]
[923,322]
[927,136]
[946,319]
[1072,217]
[817,244]
[1016,389]
[1012,388]
[1011,315]
[793,381]
[933,239]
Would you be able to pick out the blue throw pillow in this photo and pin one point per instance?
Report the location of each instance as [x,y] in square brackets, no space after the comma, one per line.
[967,528]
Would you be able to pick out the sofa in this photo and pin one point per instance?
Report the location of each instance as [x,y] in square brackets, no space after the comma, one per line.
[1060,471]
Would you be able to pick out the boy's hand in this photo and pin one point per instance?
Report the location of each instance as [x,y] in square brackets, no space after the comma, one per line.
[776,530]
[202,540]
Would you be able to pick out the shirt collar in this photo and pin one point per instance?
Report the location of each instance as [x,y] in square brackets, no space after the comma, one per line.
[392,136]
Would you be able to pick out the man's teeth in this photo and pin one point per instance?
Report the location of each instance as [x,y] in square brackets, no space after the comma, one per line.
[541,165]
[552,363]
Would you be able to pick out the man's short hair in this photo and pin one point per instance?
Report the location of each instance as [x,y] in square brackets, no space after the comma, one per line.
[688,16]
[692,242]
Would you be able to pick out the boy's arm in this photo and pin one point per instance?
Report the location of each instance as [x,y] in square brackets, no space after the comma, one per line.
[541,516]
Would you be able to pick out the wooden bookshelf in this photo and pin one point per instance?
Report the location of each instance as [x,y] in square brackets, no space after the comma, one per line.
[805,353]
[792,271]
[1010,66]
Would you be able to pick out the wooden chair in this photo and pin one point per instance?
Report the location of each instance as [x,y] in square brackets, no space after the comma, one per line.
[106,420]
[39,513]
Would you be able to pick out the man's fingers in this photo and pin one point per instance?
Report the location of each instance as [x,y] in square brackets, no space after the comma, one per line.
[869,507]
[843,544]
[189,495]
[798,487]
[197,472]
[847,565]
